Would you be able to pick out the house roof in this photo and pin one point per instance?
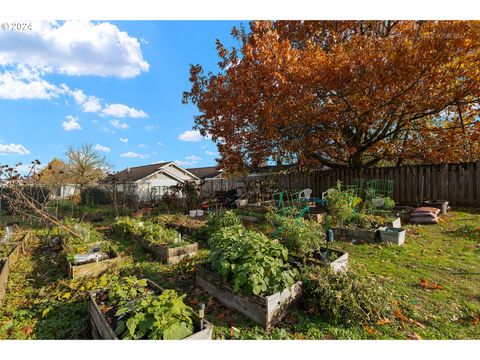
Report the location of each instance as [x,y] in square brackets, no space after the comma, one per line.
[138,172]
[205,172]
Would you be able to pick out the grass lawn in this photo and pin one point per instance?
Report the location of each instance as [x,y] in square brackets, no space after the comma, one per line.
[42,303]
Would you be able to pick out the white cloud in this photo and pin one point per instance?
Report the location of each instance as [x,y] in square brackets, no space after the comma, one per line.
[191,136]
[26,83]
[151,127]
[131,154]
[142,146]
[118,124]
[71,124]
[74,48]
[189,161]
[99,147]
[208,152]
[89,103]
[124,140]
[160,143]
[13,149]
[120,110]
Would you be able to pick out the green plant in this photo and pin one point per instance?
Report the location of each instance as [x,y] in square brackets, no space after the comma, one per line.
[250,260]
[220,220]
[152,232]
[301,237]
[140,313]
[340,205]
[95,196]
[88,238]
[155,317]
[389,203]
[346,297]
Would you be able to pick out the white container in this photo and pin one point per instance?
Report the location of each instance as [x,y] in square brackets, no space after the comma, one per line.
[394,236]
[192,213]
[199,212]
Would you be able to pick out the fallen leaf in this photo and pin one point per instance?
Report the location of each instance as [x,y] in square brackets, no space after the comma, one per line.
[414,336]
[476,320]
[400,316]
[430,285]
[383,321]
[370,330]
[27,330]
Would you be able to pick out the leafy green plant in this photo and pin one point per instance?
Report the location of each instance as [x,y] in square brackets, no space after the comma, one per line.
[139,313]
[155,317]
[340,205]
[388,203]
[155,233]
[251,261]
[300,236]
[346,297]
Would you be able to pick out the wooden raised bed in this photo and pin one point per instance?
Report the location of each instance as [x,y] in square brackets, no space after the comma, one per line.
[7,263]
[339,264]
[101,329]
[266,310]
[346,234]
[170,255]
[94,268]
[248,218]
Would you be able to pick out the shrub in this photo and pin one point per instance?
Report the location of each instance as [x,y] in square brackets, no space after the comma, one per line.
[346,297]
[95,196]
[301,237]
[251,261]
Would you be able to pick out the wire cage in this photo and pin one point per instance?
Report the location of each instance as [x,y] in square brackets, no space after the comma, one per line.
[368,189]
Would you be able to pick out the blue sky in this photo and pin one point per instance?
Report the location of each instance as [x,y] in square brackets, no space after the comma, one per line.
[117,85]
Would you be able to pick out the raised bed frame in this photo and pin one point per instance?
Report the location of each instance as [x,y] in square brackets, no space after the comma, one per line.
[346,234]
[8,263]
[170,255]
[94,268]
[101,329]
[266,310]
[339,264]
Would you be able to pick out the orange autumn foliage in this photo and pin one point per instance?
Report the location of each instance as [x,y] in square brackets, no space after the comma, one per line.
[343,94]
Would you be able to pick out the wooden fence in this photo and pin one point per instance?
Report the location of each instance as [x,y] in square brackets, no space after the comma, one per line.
[458,183]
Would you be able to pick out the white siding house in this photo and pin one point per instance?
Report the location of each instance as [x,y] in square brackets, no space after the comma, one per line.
[150,182]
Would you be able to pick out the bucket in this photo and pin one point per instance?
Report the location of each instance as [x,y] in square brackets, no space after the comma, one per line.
[438,204]
[192,213]
[391,235]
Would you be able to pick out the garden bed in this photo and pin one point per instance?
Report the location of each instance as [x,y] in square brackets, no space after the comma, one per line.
[266,310]
[101,329]
[337,261]
[357,235]
[7,263]
[169,255]
[94,268]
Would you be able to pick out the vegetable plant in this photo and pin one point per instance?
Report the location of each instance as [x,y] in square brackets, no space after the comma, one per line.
[137,312]
[154,233]
[301,237]
[252,262]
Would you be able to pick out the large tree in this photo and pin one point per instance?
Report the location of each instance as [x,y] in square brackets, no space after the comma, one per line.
[85,166]
[343,94]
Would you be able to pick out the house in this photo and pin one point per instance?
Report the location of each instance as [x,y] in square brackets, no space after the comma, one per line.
[152,181]
[206,173]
